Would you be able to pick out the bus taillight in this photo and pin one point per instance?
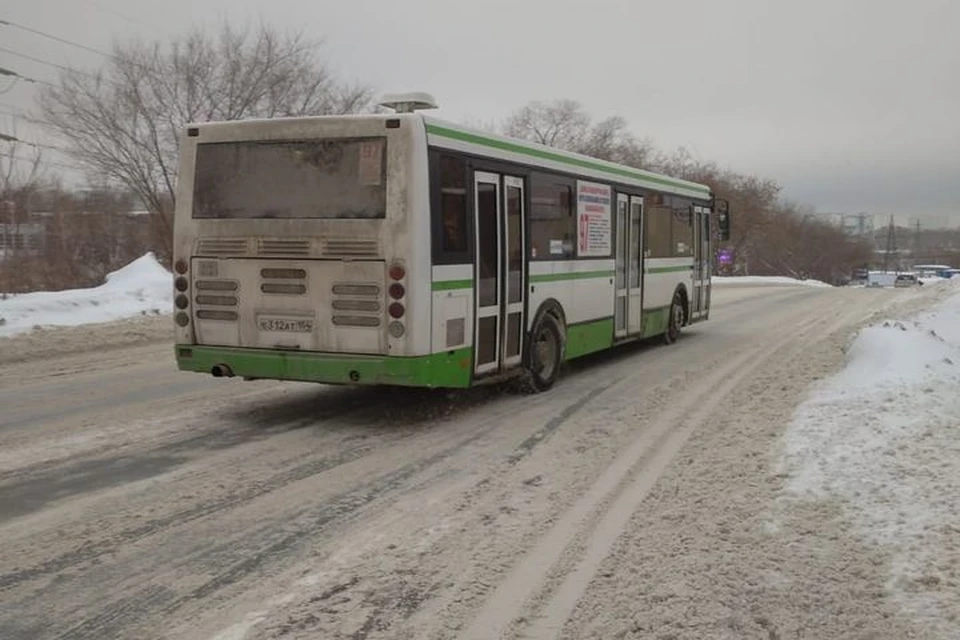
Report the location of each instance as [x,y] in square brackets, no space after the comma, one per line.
[396,291]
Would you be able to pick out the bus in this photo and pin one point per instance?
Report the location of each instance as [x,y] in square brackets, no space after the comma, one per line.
[400,249]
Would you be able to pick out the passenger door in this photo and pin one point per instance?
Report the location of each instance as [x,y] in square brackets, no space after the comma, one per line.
[498,332]
[628,259]
[700,298]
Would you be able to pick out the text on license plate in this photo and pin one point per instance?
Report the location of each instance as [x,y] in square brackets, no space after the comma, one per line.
[293,325]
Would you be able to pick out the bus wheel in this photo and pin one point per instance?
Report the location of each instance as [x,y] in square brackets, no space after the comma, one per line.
[675,321]
[545,354]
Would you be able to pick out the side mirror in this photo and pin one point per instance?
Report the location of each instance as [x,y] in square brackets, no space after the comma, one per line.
[722,209]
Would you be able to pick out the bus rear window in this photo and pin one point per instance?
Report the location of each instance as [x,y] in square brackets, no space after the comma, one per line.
[337,178]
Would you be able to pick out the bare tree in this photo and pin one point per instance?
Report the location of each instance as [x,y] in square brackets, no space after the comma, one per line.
[565,124]
[125,120]
[562,123]
[768,236]
[21,176]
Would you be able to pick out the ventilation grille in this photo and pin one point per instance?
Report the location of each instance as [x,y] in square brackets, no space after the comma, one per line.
[222,247]
[356,304]
[284,247]
[283,281]
[350,248]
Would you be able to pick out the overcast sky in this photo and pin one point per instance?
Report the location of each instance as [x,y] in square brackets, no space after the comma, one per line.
[852,105]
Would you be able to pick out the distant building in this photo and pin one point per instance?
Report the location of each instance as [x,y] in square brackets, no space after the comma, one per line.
[23,239]
[857,224]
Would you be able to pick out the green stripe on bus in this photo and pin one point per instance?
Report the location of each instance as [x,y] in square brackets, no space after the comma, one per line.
[589,337]
[450,285]
[543,154]
[655,321]
[576,275]
[446,369]
[687,267]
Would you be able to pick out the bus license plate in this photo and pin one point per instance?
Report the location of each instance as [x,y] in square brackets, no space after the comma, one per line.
[288,325]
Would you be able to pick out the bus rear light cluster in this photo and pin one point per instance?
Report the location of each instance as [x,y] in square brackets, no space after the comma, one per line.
[396,291]
[182,300]
[397,272]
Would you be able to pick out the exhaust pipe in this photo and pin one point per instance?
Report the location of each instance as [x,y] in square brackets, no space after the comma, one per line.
[221,371]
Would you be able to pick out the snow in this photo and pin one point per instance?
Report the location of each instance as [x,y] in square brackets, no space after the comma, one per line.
[143,287]
[765,281]
[883,436]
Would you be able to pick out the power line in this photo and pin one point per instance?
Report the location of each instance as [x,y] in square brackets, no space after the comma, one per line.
[109,9]
[38,145]
[38,60]
[61,67]
[23,116]
[110,56]
[56,38]
[52,163]
[19,76]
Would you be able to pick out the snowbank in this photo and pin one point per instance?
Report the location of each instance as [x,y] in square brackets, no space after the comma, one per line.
[765,281]
[883,435]
[143,287]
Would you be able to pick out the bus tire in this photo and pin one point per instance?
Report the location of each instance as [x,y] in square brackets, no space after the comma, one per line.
[675,320]
[544,354]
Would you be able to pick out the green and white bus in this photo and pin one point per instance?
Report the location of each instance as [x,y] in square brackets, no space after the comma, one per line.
[398,249]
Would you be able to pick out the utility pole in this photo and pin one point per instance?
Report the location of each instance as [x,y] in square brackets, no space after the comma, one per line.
[891,245]
[916,242]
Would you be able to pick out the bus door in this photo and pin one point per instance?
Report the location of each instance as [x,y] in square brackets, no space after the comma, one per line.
[628,311]
[498,331]
[700,299]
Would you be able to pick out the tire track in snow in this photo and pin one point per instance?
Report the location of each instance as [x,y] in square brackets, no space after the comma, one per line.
[653,451]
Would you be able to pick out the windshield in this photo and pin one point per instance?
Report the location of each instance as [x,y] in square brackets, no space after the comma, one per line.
[343,178]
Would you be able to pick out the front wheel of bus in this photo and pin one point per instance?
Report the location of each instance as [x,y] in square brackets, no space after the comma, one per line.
[675,320]
[545,354]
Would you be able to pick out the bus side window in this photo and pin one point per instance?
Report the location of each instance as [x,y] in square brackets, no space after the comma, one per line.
[452,228]
[553,222]
[658,225]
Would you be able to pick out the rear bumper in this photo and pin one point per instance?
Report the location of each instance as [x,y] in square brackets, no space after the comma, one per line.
[449,369]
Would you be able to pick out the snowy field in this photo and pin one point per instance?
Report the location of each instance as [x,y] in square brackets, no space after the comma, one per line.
[759,281]
[883,436]
[141,288]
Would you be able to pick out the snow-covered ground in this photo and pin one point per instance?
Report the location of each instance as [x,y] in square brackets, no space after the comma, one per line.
[883,436]
[765,281]
[143,287]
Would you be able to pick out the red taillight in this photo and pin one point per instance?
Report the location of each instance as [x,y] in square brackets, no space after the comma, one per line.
[396,310]
[397,272]
[397,290]
[181,266]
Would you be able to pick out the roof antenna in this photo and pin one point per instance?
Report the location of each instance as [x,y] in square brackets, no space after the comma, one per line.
[408,102]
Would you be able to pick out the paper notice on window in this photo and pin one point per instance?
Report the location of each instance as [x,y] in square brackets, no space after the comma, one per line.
[370,170]
[594,230]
